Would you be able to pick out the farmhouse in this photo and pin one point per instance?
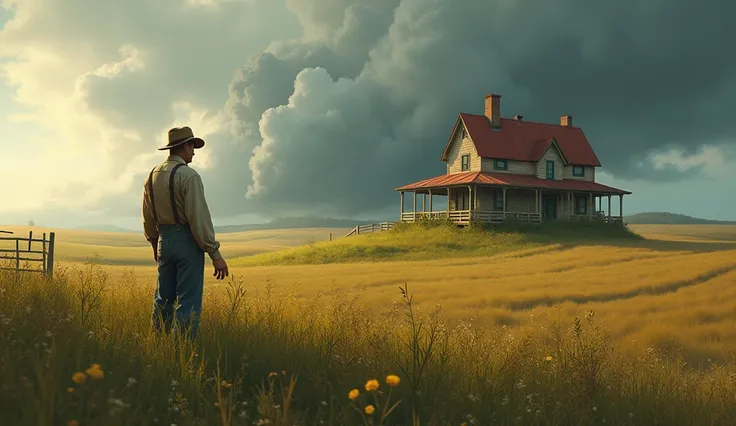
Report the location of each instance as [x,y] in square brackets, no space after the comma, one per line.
[500,168]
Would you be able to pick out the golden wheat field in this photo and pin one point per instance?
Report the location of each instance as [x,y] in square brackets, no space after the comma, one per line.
[676,291]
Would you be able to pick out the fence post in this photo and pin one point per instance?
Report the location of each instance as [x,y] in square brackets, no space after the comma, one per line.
[330,236]
[50,271]
[43,254]
[17,256]
[30,237]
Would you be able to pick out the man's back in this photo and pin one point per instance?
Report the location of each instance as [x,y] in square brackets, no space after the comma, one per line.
[189,200]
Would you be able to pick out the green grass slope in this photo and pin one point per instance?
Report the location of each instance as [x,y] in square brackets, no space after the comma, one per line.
[436,240]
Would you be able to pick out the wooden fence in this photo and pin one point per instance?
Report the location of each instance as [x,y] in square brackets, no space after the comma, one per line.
[23,252]
[373,227]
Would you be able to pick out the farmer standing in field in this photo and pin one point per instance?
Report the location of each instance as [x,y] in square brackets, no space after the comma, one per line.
[177,223]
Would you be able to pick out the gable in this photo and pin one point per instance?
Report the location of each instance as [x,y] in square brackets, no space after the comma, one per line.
[455,137]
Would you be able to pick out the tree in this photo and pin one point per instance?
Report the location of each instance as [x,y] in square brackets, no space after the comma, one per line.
[31,223]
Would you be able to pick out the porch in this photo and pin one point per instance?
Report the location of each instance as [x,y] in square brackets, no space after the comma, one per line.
[495,203]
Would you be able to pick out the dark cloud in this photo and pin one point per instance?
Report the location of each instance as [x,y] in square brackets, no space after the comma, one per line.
[639,77]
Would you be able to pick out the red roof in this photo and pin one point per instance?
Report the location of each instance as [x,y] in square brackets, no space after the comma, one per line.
[512,180]
[526,140]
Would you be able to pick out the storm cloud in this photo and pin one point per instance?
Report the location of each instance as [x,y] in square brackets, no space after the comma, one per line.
[349,99]
[640,78]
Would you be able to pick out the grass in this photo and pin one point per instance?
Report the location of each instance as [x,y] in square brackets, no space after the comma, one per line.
[437,240]
[120,248]
[268,357]
[528,328]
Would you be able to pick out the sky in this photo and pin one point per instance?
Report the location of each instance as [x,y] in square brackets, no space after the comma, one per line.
[323,107]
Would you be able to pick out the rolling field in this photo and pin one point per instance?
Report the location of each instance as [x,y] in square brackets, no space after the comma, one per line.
[676,291]
[332,310]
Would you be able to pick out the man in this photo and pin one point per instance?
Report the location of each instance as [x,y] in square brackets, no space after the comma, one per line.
[177,223]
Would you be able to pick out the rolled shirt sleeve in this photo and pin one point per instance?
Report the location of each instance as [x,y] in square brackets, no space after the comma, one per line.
[150,229]
[198,215]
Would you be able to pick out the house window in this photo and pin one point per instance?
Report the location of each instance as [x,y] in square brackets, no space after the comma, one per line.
[578,171]
[550,169]
[500,165]
[581,205]
[463,134]
[466,162]
[498,201]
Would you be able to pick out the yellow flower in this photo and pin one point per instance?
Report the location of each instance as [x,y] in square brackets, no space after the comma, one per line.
[95,372]
[70,390]
[548,358]
[369,409]
[392,380]
[353,394]
[371,385]
[79,378]
[72,423]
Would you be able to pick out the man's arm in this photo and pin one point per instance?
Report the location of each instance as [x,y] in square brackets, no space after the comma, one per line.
[150,230]
[198,214]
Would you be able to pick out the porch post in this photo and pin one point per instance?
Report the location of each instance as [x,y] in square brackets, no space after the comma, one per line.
[430,201]
[571,205]
[414,214]
[402,206]
[536,201]
[621,207]
[591,205]
[609,208]
[504,202]
[448,202]
[424,202]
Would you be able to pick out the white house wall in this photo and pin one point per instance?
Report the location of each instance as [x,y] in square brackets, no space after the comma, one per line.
[550,154]
[458,148]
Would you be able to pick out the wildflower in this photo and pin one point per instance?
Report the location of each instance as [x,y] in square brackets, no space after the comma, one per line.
[95,372]
[70,390]
[548,358]
[79,378]
[226,385]
[371,385]
[72,423]
[353,394]
[369,409]
[392,380]
[272,374]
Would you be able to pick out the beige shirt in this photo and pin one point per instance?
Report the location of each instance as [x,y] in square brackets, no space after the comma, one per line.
[191,205]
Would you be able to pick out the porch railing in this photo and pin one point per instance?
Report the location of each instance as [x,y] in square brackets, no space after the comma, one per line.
[464,217]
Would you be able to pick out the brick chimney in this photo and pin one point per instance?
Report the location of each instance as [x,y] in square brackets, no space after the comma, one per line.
[493,109]
[566,121]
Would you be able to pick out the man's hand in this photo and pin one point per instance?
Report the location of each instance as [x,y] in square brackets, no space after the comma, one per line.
[220,268]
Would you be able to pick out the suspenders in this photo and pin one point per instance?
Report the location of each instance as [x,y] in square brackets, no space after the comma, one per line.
[171,193]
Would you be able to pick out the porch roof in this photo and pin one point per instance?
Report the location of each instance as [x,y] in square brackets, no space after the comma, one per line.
[510,180]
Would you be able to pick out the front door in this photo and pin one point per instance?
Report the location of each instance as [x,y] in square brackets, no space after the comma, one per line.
[549,207]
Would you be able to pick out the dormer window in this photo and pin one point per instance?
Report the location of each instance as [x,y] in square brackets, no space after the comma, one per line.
[578,171]
[465,163]
[500,165]
[463,133]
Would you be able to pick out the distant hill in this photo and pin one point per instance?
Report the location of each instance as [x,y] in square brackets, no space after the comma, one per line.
[280,223]
[665,218]
[295,222]
[103,228]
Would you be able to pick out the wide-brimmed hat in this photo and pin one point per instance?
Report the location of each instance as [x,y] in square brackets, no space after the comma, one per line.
[181,135]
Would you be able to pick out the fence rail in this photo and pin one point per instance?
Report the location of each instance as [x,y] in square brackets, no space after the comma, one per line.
[373,227]
[22,253]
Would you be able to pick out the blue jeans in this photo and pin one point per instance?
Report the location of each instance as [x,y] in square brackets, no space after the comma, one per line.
[180,276]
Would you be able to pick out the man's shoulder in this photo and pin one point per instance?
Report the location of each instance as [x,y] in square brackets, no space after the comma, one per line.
[187,172]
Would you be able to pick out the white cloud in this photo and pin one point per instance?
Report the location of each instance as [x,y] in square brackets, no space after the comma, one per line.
[97,85]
